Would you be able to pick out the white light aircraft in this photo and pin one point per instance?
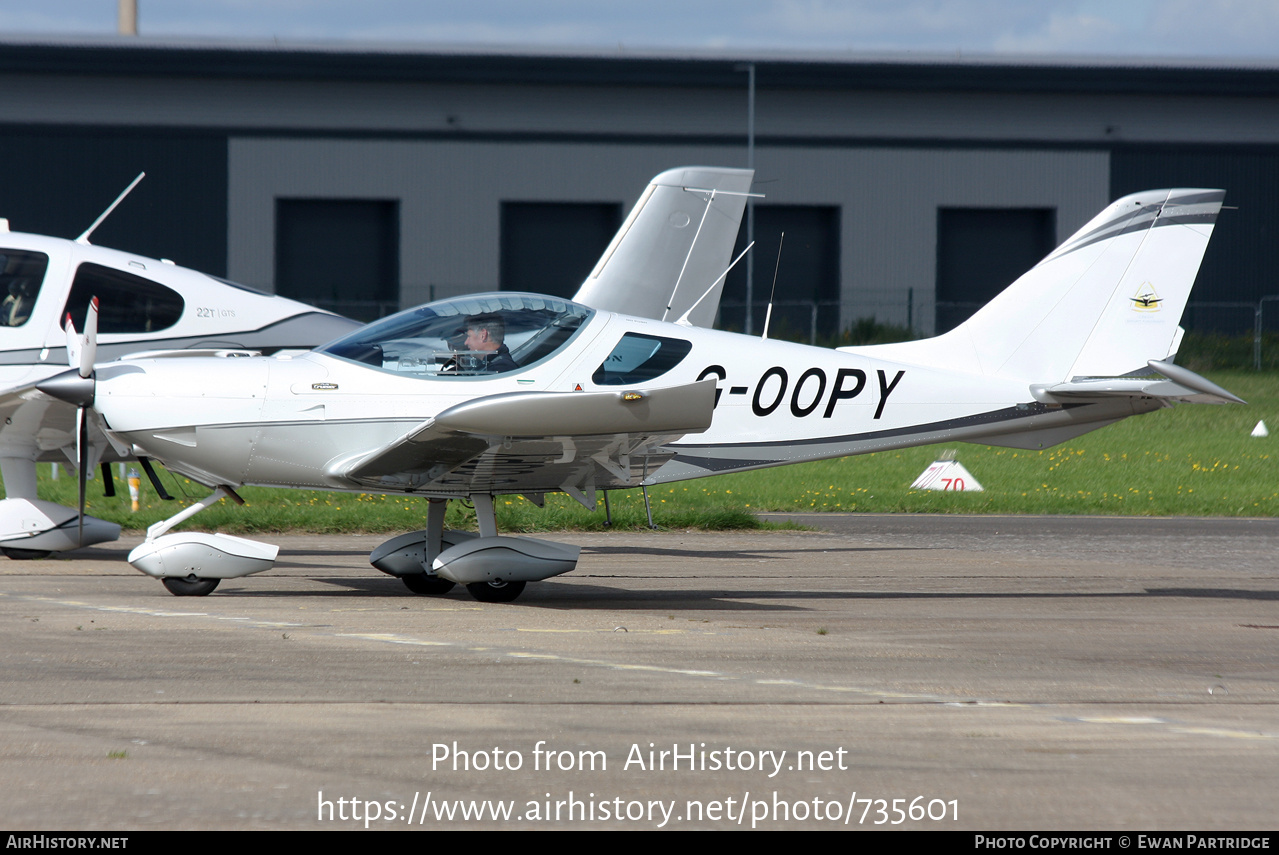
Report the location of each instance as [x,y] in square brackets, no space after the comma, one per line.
[510,393]
[148,304]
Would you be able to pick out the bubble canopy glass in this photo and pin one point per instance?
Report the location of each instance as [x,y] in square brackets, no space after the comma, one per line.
[432,341]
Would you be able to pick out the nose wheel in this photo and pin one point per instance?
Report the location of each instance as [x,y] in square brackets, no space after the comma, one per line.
[191,586]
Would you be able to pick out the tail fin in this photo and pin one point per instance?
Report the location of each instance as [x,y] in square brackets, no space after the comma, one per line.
[678,232]
[1105,303]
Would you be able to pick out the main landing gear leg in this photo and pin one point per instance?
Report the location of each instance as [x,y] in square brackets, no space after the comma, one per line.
[495,568]
[498,589]
[425,582]
[33,528]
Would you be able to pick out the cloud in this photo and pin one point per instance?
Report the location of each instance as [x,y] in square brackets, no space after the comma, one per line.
[1166,28]
[913,24]
[1068,33]
[1217,27]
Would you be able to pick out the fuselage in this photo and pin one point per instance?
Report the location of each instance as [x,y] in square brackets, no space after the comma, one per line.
[285,420]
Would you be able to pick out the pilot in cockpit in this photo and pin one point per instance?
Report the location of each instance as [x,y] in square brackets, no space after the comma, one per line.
[16,307]
[486,340]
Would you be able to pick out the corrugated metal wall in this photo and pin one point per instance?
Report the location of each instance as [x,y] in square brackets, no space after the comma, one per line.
[450,198]
[1242,261]
[57,181]
[450,195]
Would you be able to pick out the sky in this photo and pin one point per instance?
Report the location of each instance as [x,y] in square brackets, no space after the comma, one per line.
[1137,28]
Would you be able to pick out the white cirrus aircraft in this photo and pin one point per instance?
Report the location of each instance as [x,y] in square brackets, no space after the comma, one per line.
[510,393]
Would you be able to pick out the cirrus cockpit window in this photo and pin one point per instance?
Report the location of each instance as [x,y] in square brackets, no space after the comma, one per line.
[127,302]
[475,336]
[21,275]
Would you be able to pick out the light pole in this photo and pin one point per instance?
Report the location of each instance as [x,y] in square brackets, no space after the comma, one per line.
[749,68]
[128,17]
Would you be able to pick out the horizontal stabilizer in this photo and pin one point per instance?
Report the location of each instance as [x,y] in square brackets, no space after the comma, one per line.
[1176,384]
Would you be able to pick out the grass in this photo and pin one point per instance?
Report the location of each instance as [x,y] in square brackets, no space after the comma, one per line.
[1185,461]
[1204,352]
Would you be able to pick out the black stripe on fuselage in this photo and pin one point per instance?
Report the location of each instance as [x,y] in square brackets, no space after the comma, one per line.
[1007,414]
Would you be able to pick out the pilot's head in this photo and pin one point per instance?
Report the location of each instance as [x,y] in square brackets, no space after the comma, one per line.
[485,332]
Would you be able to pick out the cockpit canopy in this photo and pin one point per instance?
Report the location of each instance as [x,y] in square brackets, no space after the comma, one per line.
[480,335]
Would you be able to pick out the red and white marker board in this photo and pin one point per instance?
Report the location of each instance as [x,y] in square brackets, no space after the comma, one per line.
[947,475]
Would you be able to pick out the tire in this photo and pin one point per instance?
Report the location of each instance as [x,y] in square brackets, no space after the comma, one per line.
[495,592]
[25,554]
[191,586]
[427,586]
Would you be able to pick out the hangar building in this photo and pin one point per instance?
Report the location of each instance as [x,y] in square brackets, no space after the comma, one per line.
[366,178]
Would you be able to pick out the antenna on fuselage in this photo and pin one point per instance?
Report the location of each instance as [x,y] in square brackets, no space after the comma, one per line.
[768,315]
[84,238]
[710,200]
[683,319]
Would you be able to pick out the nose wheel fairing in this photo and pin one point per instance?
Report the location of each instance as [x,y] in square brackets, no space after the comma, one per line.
[201,555]
[190,562]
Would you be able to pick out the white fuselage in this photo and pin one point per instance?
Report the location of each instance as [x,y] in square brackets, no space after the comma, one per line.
[287,420]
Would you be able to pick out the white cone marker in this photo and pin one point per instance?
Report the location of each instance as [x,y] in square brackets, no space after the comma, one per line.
[947,474]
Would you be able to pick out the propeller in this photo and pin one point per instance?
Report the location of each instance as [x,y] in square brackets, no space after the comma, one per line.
[77,387]
[81,353]
[83,350]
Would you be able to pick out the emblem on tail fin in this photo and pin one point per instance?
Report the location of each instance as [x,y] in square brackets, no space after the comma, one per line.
[1145,300]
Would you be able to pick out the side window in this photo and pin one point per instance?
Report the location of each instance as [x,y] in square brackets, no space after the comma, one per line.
[21,275]
[638,358]
[126,303]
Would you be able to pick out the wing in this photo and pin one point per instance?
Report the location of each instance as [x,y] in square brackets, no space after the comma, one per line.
[36,426]
[32,422]
[533,442]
